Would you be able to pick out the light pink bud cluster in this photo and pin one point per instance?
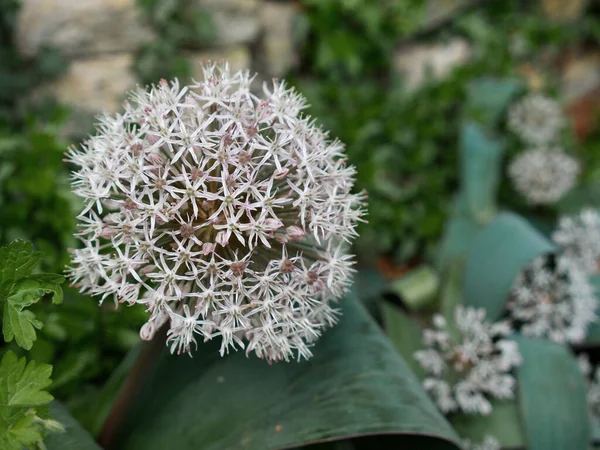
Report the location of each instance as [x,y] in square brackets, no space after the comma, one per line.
[224,213]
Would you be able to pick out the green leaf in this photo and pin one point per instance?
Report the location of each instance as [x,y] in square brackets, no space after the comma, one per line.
[22,383]
[481,158]
[552,397]
[488,98]
[405,333]
[20,290]
[417,288]
[74,436]
[19,324]
[459,234]
[354,385]
[17,260]
[49,283]
[498,254]
[503,423]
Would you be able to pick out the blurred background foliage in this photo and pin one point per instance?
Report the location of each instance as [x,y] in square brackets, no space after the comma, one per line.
[403,137]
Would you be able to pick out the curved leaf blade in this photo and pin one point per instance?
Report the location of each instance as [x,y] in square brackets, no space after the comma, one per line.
[74,436]
[499,253]
[355,385]
[552,396]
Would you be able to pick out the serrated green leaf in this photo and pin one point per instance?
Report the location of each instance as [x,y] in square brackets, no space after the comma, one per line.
[22,383]
[19,323]
[356,384]
[481,157]
[499,253]
[17,260]
[19,289]
[49,283]
[552,397]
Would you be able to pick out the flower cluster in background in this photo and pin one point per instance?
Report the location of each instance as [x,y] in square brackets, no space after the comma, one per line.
[225,214]
[592,377]
[467,369]
[543,173]
[489,443]
[579,236]
[553,298]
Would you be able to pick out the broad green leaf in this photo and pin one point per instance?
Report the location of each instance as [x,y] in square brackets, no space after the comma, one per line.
[17,260]
[499,253]
[481,158]
[552,397]
[452,295]
[355,384]
[503,423]
[22,383]
[458,238]
[417,288]
[73,438]
[405,333]
[488,98]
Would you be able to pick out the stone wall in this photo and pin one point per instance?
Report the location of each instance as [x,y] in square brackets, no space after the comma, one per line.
[100,39]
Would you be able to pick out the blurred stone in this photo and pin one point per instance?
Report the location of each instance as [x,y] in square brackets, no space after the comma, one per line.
[236,21]
[80,27]
[96,85]
[277,49]
[580,76]
[238,56]
[438,11]
[580,91]
[563,10]
[416,62]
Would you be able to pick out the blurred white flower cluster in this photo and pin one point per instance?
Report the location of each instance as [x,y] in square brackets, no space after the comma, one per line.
[225,214]
[468,367]
[536,119]
[553,298]
[543,176]
[579,237]
[543,173]
[489,443]
[592,378]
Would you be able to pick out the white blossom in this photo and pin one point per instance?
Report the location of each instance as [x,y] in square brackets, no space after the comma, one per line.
[225,214]
[536,119]
[488,443]
[553,298]
[467,368]
[592,379]
[579,237]
[543,176]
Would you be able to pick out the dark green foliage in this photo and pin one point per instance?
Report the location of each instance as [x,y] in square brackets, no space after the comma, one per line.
[178,24]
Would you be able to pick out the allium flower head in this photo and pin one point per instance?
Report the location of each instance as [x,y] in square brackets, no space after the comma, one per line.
[553,298]
[536,119]
[464,372]
[543,176]
[489,443]
[579,237]
[224,214]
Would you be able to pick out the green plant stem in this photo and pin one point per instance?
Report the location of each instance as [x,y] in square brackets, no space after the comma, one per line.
[147,358]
